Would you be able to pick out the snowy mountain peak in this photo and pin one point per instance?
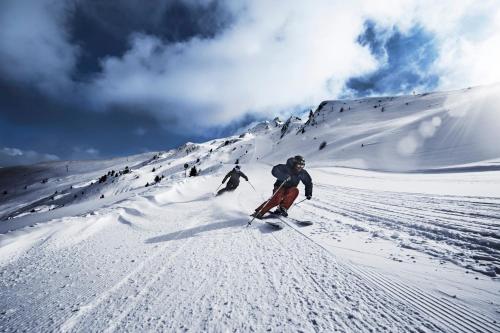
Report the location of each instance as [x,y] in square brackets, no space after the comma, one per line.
[277,122]
[260,127]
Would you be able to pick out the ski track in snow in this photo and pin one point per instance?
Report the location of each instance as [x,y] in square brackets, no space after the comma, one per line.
[445,315]
[469,225]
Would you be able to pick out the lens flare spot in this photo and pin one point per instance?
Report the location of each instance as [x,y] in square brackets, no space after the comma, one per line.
[436,121]
[427,129]
[408,145]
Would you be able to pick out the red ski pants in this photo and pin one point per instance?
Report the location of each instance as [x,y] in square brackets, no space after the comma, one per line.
[284,197]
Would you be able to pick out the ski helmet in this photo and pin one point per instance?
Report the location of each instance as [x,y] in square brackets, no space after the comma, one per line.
[237,167]
[299,160]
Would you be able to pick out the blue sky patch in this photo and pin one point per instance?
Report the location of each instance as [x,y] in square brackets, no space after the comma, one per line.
[406,59]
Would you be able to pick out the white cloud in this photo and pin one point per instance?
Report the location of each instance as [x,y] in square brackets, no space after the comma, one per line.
[471,60]
[82,153]
[92,151]
[280,55]
[467,34]
[14,156]
[12,151]
[34,43]
[140,131]
[276,56]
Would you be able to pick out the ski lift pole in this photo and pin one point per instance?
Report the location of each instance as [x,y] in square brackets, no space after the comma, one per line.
[275,192]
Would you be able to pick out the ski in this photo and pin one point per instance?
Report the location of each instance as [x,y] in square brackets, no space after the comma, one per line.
[287,219]
[279,221]
[303,223]
[274,221]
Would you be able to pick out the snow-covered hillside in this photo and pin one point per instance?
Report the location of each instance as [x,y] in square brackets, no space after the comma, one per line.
[405,234]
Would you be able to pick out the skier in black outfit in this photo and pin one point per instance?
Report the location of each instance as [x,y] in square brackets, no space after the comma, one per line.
[193,172]
[288,176]
[234,180]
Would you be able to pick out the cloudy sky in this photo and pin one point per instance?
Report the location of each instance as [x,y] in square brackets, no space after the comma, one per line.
[84,79]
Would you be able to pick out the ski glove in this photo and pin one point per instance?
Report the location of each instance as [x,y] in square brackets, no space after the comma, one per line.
[308,197]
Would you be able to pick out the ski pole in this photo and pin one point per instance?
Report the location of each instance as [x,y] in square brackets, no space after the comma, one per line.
[251,185]
[298,203]
[218,188]
[279,188]
[256,190]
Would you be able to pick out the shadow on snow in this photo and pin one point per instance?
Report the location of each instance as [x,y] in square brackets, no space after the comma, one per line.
[196,231]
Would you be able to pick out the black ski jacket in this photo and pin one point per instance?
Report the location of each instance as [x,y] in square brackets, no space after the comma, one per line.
[283,171]
[234,177]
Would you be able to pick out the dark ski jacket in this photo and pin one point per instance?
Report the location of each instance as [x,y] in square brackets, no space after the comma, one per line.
[283,171]
[234,177]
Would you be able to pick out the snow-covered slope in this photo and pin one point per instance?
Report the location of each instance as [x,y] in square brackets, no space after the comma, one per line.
[87,246]
[434,130]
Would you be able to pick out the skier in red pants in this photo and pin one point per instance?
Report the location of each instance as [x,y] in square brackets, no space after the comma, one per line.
[285,188]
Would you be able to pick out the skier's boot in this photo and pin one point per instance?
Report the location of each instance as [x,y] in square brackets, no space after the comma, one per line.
[281,211]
